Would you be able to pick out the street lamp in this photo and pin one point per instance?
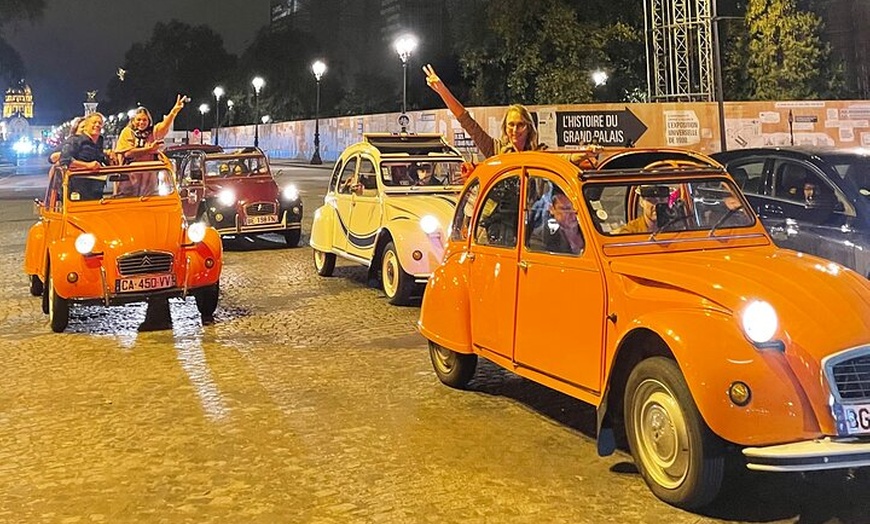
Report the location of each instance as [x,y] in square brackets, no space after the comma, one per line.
[230,105]
[599,77]
[258,84]
[266,119]
[318,68]
[203,109]
[218,93]
[405,45]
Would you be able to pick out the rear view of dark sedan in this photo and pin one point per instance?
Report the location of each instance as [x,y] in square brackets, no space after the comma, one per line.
[814,200]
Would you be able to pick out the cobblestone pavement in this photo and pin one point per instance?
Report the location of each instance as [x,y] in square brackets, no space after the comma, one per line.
[309,400]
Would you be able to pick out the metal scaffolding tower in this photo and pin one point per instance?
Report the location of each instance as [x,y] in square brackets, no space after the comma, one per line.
[679,50]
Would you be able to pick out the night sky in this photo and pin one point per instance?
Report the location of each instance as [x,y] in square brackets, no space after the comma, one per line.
[79,44]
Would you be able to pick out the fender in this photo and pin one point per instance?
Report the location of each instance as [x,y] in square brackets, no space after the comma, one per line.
[322,229]
[34,251]
[448,322]
[409,237]
[712,359]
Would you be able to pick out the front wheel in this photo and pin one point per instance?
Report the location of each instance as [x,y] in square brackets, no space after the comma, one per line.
[206,301]
[680,459]
[324,263]
[398,285]
[36,287]
[292,236]
[58,308]
[452,368]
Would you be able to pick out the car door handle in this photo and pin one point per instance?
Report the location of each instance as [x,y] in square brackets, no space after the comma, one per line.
[523,265]
[469,256]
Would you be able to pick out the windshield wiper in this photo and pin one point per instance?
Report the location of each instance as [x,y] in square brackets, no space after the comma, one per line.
[722,220]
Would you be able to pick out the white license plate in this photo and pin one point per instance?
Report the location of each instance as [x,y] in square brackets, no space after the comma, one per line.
[144,283]
[857,418]
[261,219]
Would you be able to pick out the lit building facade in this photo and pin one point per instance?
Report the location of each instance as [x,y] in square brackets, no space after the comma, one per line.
[18,102]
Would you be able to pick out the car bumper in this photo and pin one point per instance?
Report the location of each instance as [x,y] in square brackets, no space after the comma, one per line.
[810,455]
[129,298]
[238,228]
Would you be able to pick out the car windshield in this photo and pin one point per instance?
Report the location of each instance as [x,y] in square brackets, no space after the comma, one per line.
[236,167]
[855,168]
[667,206]
[135,184]
[421,173]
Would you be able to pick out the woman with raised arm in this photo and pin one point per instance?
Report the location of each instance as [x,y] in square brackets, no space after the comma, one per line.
[142,138]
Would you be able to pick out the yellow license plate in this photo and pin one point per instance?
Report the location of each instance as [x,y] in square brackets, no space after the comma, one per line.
[144,283]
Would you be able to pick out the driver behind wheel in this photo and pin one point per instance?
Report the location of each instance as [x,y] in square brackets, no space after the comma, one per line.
[650,196]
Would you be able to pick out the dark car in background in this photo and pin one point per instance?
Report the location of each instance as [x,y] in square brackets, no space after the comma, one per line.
[235,192]
[811,199]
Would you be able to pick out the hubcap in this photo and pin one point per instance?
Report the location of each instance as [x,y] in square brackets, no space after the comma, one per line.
[390,273]
[445,359]
[319,259]
[661,434]
[50,298]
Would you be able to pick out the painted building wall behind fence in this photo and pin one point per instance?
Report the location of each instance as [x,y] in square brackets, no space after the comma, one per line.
[691,125]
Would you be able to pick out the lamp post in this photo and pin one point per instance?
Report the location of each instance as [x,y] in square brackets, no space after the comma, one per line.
[599,77]
[318,68]
[203,109]
[230,104]
[258,84]
[218,93]
[405,45]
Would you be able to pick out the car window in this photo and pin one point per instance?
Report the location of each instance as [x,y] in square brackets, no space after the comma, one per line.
[498,219]
[551,223]
[368,176]
[346,179]
[54,192]
[464,211]
[748,176]
[789,179]
[336,172]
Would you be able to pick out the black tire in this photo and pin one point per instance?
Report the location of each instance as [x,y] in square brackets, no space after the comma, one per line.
[397,284]
[36,287]
[681,460]
[292,236]
[324,263]
[206,301]
[58,308]
[452,368]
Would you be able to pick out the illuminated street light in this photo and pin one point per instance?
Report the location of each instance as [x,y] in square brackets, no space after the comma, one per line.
[318,68]
[203,109]
[599,77]
[218,93]
[265,119]
[405,45]
[258,84]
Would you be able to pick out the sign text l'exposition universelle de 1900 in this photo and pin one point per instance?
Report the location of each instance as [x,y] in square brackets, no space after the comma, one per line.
[604,128]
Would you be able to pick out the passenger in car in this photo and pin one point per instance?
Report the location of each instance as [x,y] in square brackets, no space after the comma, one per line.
[561,232]
[518,131]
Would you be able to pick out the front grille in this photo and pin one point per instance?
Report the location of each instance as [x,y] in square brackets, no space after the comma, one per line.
[143,263]
[852,377]
[260,208]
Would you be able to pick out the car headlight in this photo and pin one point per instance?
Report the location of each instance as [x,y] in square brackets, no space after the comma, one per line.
[85,243]
[196,232]
[759,321]
[291,192]
[429,224]
[227,198]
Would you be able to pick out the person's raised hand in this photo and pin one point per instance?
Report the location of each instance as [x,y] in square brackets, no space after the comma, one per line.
[432,79]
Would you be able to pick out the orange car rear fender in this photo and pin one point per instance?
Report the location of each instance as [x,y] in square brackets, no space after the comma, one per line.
[34,255]
[712,354]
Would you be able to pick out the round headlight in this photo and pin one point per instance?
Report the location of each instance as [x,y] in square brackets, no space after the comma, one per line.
[291,192]
[85,243]
[227,198]
[429,224]
[759,321]
[196,232]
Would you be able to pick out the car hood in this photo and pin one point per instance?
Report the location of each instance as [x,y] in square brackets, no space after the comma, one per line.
[125,230]
[249,189]
[821,305]
[439,205]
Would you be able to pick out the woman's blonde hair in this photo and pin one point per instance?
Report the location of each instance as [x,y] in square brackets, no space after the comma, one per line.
[526,116]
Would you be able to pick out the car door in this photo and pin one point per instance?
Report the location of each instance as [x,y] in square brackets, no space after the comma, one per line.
[366,211]
[560,292]
[343,203]
[493,274]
